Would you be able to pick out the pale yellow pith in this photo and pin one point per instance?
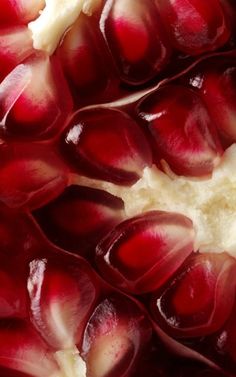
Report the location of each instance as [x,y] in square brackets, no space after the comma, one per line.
[71,363]
[209,203]
[55,19]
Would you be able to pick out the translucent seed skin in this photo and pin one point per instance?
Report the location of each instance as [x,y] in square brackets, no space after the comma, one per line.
[195,27]
[142,253]
[182,132]
[107,144]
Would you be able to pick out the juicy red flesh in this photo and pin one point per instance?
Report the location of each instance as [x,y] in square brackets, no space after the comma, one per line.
[51,149]
[31,100]
[115,334]
[198,307]
[31,174]
[131,31]
[80,217]
[217,86]
[62,293]
[15,47]
[19,12]
[107,144]
[200,298]
[142,253]
[194,26]
[84,59]
[182,132]
[21,348]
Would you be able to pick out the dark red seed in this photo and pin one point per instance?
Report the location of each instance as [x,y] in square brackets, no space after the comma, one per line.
[19,12]
[80,217]
[22,349]
[200,298]
[15,47]
[31,174]
[107,144]
[195,26]
[182,132]
[141,254]
[216,80]
[84,58]
[63,291]
[31,100]
[136,39]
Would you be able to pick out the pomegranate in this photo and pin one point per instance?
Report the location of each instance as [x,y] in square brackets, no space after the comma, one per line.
[117,188]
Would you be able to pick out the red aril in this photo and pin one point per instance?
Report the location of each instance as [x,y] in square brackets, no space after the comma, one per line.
[200,298]
[181,129]
[63,291]
[142,253]
[84,59]
[19,11]
[107,144]
[17,233]
[34,99]
[217,86]
[31,174]
[194,26]
[114,337]
[80,217]
[22,349]
[132,30]
[15,47]
[12,295]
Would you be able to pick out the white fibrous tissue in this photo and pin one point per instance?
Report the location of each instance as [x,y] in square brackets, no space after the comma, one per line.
[55,19]
[210,203]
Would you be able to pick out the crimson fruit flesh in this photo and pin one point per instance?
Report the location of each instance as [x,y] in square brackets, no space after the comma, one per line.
[99,275]
[183,133]
[193,26]
[80,217]
[142,253]
[107,144]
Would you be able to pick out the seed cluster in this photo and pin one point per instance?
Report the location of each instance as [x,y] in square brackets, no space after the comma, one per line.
[87,287]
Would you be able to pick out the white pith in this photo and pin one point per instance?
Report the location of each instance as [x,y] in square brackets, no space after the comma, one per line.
[56,17]
[209,203]
[71,363]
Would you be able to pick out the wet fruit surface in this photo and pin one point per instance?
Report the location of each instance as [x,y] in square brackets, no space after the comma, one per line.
[102,272]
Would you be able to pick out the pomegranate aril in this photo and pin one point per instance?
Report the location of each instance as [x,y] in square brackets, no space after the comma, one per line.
[114,337]
[216,79]
[142,253]
[136,39]
[15,46]
[22,349]
[80,217]
[69,306]
[17,233]
[31,174]
[62,290]
[181,129]
[34,99]
[107,144]
[84,59]
[200,298]
[222,349]
[194,26]
[19,12]
[12,295]
[225,343]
